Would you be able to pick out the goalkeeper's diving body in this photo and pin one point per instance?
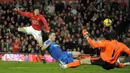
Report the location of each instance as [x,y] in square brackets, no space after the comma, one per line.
[110,51]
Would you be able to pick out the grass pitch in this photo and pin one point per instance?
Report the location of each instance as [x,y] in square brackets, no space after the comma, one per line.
[31,67]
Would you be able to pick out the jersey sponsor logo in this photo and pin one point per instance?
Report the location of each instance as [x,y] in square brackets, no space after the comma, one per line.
[36,22]
[56,45]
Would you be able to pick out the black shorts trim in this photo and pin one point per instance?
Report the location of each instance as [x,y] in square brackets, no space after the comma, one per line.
[104,64]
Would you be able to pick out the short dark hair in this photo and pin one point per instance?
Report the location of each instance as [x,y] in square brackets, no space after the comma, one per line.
[36,7]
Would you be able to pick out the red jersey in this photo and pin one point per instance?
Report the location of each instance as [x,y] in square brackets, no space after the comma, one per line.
[35,20]
[15,47]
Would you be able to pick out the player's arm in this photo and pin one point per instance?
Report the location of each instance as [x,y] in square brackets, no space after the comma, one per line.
[45,46]
[94,44]
[126,49]
[45,23]
[27,14]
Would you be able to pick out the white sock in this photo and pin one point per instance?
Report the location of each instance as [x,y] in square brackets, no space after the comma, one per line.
[127,63]
[65,66]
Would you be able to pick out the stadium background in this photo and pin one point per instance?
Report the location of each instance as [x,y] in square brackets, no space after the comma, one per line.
[66,19]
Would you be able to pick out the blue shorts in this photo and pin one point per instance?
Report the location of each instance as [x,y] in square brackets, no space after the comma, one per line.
[66,57]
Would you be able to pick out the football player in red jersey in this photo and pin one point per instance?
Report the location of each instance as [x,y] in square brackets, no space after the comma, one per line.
[37,20]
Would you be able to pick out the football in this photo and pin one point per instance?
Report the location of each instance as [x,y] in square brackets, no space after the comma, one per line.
[107,22]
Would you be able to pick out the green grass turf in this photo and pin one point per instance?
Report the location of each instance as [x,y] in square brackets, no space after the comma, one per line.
[30,67]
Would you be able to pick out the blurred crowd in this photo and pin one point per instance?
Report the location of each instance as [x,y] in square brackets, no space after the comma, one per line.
[66,20]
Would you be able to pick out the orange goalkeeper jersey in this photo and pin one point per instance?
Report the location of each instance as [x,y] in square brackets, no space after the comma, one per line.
[109,50]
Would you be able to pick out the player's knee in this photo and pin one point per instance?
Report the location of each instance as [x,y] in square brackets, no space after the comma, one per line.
[21,30]
[76,54]
[40,42]
[79,53]
[85,61]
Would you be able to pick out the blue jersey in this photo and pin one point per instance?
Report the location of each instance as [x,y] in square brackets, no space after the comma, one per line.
[54,50]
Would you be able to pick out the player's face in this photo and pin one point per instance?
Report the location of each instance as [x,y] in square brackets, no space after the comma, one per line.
[36,12]
[53,37]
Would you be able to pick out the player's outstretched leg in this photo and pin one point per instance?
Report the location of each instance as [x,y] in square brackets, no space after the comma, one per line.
[39,40]
[13,30]
[22,30]
[43,59]
[76,63]
[70,65]
[127,63]
[121,65]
